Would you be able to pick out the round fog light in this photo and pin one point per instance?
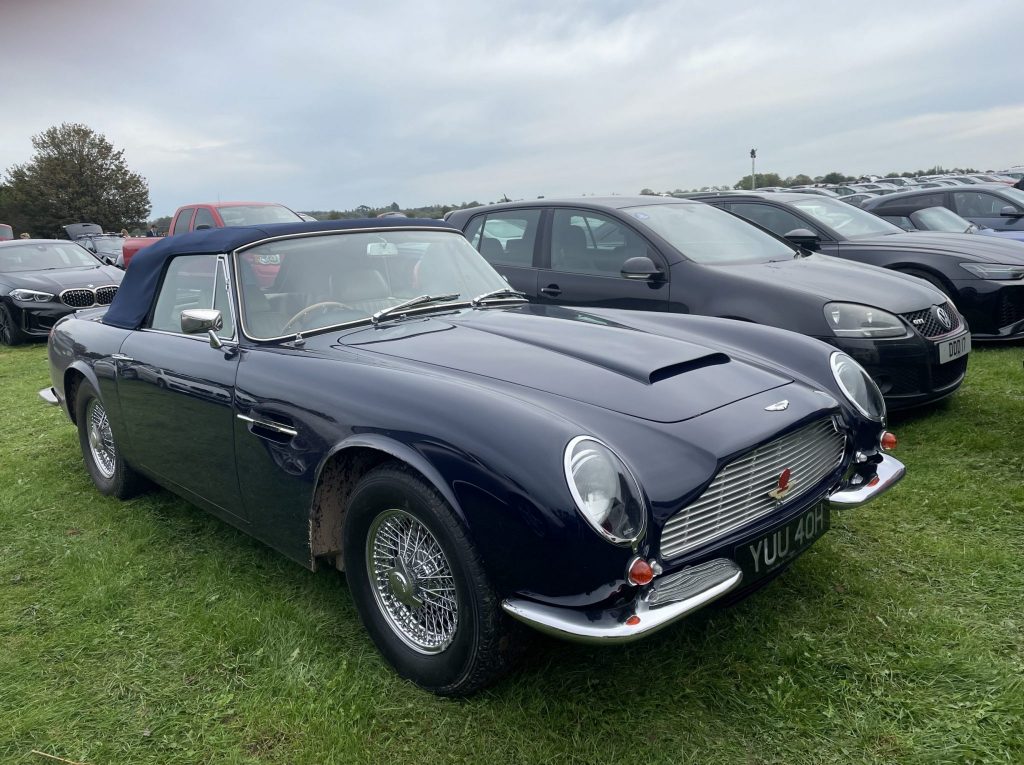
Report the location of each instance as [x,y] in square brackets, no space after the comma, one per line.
[888,441]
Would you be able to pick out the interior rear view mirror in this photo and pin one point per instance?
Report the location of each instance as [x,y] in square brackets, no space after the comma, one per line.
[381,249]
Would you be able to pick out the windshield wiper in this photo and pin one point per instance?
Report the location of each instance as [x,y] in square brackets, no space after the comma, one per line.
[416,301]
[504,292]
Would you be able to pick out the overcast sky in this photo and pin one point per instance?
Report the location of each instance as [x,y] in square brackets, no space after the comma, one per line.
[323,105]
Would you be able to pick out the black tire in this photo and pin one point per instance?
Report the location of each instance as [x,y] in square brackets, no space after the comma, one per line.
[10,332]
[482,641]
[113,477]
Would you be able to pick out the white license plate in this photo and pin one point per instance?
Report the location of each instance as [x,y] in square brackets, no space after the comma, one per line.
[955,348]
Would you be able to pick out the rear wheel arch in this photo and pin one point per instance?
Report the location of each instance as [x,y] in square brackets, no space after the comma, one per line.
[72,380]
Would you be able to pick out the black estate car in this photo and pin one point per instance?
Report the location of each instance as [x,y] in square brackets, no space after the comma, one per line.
[984,276]
[996,206]
[386,405]
[42,280]
[678,256]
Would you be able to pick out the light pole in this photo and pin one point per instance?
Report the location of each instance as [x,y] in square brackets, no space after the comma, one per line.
[753,158]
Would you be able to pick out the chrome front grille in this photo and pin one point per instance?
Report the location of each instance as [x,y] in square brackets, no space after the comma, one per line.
[105,295]
[740,492]
[87,297]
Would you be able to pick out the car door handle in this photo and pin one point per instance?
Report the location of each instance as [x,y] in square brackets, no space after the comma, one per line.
[552,289]
[268,425]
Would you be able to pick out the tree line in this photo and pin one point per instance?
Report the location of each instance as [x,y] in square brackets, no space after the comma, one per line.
[762,180]
[76,175]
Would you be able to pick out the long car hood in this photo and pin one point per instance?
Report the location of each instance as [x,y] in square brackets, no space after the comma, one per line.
[984,248]
[834,279]
[63,278]
[571,354]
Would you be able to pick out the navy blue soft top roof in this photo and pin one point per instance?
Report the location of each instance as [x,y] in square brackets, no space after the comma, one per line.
[142,279]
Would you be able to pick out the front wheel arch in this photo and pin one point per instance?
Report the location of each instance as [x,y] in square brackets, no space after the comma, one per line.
[340,471]
[934,278]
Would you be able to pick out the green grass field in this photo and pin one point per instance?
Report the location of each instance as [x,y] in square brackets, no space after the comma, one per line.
[148,632]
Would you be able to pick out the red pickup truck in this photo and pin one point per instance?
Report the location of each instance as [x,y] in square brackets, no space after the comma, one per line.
[196,217]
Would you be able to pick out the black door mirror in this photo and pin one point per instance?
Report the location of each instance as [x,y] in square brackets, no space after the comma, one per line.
[641,269]
[804,237]
[1010,212]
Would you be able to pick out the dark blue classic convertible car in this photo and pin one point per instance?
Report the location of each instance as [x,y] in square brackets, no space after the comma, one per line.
[381,401]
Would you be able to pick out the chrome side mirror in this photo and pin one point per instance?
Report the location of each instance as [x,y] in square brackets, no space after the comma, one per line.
[195,320]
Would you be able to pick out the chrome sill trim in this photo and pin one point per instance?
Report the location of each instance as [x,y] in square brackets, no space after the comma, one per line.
[611,628]
[49,395]
[888,473]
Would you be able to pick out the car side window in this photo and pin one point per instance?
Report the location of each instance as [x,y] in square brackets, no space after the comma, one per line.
[900,220]
[591,243]
[978,204]
[182,221]
[775,219]
[192,281]
[507,238]
[203,218]
[914,203]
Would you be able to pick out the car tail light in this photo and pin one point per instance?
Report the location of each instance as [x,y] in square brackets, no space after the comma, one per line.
[888,441]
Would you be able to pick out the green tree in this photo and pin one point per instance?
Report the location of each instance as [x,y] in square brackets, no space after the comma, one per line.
[763,179]
[834,178]
[75,176]
[800,180]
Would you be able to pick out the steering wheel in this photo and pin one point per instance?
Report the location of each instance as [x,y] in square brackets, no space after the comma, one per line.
[310,308]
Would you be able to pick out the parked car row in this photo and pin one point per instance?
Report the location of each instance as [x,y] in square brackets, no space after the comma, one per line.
[388,405]
[588,416]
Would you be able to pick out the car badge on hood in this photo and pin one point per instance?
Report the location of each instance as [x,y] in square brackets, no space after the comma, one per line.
[784,485]
[940,312]
[778,406]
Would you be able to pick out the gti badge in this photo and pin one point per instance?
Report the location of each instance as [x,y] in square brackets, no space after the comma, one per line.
[943,317]
[783,487]
[778,406]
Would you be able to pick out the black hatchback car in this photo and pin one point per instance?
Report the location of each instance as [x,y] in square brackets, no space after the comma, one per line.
[996,206]
[43,280]
[664,254]
[984,276]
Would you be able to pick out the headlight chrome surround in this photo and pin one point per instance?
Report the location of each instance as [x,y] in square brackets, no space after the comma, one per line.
[625,517]
[848,320]
[866,397]
[31,296]
[994,271]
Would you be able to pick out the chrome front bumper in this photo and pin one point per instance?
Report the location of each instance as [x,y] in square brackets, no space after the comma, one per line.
[674,596]
[887,474]
[688,590]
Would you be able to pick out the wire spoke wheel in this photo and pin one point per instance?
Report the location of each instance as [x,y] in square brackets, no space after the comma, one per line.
[412,581]
[101,439]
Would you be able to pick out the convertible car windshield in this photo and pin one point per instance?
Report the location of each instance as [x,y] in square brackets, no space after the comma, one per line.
[850,221]
[43,257]
[708,235]
[310,283]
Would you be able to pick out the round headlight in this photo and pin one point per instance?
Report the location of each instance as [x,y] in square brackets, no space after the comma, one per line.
[605,492]
[858,387]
